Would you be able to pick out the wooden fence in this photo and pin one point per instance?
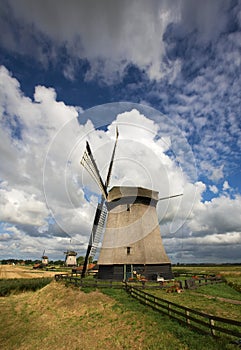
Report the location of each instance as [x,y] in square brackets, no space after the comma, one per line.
[191,283]
[199,321]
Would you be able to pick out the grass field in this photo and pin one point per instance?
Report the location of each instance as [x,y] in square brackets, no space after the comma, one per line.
[232,273]
[57,317]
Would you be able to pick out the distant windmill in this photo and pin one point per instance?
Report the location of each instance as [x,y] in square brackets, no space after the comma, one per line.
[70,258]
[132,241]
[45,259]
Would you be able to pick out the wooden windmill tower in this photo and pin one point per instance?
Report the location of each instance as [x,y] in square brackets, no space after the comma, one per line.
[132,243]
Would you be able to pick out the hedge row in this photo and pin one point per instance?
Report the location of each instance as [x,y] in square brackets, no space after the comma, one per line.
[18,285]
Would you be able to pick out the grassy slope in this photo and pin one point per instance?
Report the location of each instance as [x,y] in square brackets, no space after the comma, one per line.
[57,317]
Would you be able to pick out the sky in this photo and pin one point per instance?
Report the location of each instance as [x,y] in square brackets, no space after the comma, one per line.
[167,73]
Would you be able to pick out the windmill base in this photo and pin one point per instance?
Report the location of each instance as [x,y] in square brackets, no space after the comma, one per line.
[124,272]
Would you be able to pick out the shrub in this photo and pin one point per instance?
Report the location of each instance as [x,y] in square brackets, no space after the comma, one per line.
[235,285]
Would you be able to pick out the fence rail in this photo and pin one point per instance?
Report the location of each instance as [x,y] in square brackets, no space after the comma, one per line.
[200,321]
[193,283]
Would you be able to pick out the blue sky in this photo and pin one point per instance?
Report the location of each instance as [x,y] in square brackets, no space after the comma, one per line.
[168,73]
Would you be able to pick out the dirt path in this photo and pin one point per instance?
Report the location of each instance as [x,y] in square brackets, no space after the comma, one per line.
[231,301]
[15,271]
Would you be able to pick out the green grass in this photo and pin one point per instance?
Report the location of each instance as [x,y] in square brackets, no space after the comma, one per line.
[174,335]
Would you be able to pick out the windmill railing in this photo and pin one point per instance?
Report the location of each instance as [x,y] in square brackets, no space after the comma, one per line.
[85,283]
[200,321]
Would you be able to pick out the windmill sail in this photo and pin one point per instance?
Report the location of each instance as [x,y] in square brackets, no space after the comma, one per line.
[175,195]
[99,230]
[89,164]
[101,212]
[111,161]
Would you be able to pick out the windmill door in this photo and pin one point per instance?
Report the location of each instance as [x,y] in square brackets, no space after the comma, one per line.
[128,272]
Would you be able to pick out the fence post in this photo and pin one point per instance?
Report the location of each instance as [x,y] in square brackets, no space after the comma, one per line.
[211,322]
[187,317]
[169,309]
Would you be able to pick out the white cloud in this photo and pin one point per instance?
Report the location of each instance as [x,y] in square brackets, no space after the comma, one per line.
[219,216]
[226,185]
[213,189]
[21,207]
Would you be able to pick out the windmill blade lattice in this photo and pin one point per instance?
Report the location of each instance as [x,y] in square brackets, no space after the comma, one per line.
[99,230]
[89,164]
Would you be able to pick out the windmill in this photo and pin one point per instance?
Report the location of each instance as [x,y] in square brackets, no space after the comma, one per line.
[70,258]
[132,243]
[45,259]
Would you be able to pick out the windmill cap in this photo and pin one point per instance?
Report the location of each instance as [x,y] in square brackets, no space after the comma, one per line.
[118,192]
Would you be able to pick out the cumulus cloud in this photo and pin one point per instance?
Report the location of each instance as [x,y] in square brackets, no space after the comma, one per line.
[47,198]
[44,188]
[218,216]
[28,128]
